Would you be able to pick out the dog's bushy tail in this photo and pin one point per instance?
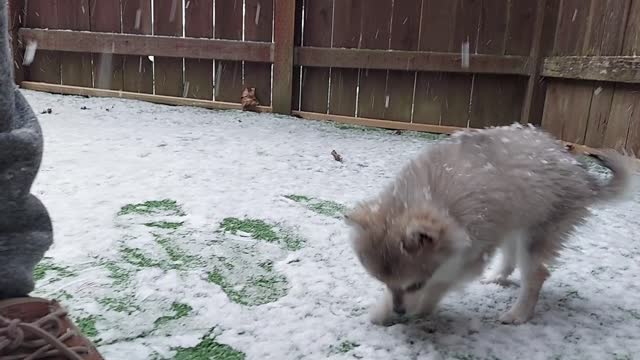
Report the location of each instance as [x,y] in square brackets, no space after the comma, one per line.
[623,183]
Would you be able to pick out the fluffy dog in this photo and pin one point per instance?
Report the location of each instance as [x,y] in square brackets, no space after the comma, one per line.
[437,225]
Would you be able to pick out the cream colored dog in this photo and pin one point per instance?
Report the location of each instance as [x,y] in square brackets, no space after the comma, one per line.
[437,225]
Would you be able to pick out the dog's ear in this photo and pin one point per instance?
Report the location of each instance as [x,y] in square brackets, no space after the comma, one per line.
[418,239]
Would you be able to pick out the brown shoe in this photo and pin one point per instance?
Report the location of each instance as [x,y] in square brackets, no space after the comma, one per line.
[34,328]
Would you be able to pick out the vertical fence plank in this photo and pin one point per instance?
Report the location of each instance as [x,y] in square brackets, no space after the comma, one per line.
[228,25]
[167,21]
[297,42]
[284,31]
[198,73]
[624,102]
[107,68]
[571,96]
[317,32]
[258,24]
[606,38]
[45,66]
[437,99]
[496,100]
[376,32]
[623,127]
[138,70]
[346,30]
[405,35]
[75,68]
[545,21]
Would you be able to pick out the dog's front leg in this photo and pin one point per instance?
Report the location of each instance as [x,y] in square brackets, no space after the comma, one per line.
[382,312]
[431,296]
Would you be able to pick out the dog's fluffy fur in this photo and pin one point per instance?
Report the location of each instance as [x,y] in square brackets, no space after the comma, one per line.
[436,226]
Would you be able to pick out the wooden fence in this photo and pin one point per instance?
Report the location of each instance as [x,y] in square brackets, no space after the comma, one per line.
[432,65]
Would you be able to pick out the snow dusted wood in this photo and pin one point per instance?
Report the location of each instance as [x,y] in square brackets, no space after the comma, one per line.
[624,69]
[107,68]
[284,28]
[145,45]
[167,21]
[198,73]
[258,24]
[138,70]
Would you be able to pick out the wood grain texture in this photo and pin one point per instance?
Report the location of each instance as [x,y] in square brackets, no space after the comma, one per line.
[497,100]
[168,72]
[346,28]
[45,66]
[317,32]
[376,32]
[435,100]
[138,70]
[405,35]
[258,24]
[228,75]
[108,69]
[75,69]
[198,73]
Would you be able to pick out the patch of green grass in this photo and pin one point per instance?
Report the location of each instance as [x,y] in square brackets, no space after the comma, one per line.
[165,224]
[118,274]
[257,228]
[123,305]
[217,278]
[47,266]
[261,230]
[256,290]
[344,347]
[178,257]
[208,349]
[165,207]
[87,326]
[319,206]
[179,311]
[298,198]
[137,257]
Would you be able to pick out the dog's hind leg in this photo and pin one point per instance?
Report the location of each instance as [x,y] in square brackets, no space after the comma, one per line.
[508,253]
[530,254]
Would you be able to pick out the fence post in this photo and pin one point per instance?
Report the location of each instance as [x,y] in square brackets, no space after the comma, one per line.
[17,16]
[284,29]
[543,37]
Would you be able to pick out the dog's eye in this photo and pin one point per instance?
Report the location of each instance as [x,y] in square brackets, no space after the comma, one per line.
[415,287]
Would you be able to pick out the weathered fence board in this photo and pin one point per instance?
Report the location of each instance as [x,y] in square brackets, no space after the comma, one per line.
[198,73]
[318,20]
[138,70]
[228,25]
[107,68]
[45,66]
[344,82]
[168,74]
[258,27]
[376,32]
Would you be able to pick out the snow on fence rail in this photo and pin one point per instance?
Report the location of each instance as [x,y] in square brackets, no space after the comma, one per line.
[432,65]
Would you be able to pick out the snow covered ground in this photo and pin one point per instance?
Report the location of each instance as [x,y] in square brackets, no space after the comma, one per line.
[185,233]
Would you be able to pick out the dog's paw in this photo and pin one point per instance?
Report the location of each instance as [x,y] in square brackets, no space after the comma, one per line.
[514,317]
[381,314]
